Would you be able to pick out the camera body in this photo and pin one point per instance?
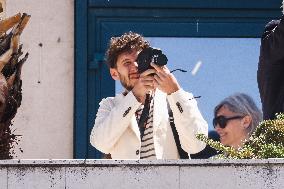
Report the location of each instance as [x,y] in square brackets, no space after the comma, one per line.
[148,55]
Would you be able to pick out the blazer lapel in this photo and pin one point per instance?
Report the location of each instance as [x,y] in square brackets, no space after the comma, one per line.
[134,126]
[160,106]
[133,122]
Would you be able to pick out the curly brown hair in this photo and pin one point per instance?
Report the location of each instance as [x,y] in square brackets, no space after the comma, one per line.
[125,43]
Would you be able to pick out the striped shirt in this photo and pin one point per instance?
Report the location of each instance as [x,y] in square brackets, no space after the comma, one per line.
[147,142]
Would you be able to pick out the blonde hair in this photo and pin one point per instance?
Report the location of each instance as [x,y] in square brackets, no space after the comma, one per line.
[244,105]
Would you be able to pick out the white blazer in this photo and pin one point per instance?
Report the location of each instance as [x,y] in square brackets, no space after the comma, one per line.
[116,129]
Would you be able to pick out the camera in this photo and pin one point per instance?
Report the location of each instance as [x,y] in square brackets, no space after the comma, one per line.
[148,55]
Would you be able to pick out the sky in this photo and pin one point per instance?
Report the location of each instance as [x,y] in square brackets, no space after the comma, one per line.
[216,68]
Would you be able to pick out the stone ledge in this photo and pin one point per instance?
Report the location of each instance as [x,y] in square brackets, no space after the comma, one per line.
[166,174]
[99,162]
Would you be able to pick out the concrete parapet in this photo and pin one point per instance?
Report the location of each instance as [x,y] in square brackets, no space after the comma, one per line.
[87,174]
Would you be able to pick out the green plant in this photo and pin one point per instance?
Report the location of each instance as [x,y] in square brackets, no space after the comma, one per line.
[267,141]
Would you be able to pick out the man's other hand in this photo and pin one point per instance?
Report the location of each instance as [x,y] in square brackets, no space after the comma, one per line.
[144,85]
[164,80]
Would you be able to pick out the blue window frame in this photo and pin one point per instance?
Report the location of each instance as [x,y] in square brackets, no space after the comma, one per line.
[98,20]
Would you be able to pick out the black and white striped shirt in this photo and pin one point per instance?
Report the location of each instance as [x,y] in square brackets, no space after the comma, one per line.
[147,142]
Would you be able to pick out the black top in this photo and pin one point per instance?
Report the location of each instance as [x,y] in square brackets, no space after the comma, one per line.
[270,74]
[208,151]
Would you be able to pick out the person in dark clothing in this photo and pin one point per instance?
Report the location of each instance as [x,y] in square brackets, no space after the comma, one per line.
[270,74]
[208,151]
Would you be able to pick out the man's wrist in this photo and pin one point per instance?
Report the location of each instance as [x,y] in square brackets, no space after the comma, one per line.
[175,89]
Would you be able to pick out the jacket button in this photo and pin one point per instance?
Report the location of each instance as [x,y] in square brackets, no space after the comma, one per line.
[126,112]
[137,152]
[179,107]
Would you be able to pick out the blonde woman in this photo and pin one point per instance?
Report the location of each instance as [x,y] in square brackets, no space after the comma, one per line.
[236,117]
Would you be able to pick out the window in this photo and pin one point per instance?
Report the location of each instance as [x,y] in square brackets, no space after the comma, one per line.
[216,68]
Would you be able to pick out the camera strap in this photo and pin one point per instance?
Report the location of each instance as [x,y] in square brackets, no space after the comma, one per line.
[182,154]
[145,115]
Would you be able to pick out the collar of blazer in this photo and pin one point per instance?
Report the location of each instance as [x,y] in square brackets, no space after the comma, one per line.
[160,109]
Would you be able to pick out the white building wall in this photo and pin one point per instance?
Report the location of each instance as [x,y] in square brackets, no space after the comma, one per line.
[45,118]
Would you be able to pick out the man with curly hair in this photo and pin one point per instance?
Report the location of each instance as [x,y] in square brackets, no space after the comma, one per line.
[116,130]
[270,74]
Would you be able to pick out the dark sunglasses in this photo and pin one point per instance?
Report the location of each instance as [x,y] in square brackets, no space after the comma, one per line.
[222,120]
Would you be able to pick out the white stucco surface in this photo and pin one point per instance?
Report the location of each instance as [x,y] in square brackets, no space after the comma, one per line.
[45,118]
[165,174]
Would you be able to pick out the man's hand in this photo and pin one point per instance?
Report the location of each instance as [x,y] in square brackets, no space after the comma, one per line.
[144,85]
[164,80]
